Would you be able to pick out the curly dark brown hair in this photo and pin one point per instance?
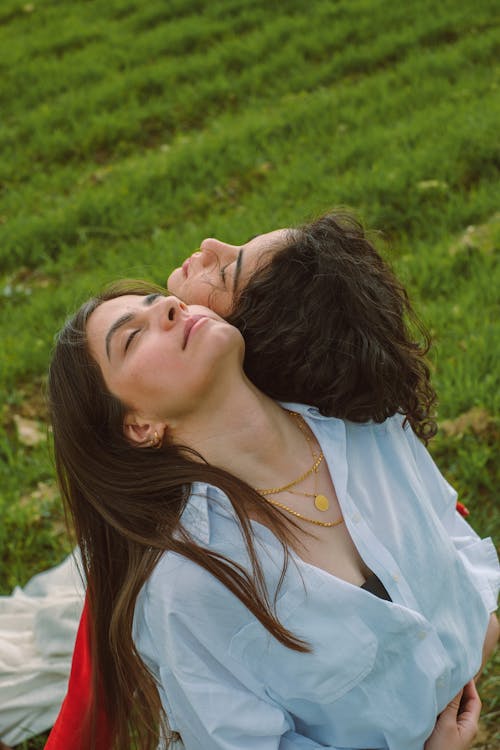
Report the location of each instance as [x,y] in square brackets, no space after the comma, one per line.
[326,322]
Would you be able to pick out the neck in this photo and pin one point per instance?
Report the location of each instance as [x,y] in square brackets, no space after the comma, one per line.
[247,434]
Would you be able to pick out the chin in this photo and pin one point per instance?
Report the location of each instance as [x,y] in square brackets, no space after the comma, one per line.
[228,336]
[174,282]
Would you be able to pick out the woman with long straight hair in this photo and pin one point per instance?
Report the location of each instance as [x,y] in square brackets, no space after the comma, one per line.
[261,574]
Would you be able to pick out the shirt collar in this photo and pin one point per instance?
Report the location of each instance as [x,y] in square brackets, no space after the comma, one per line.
[303,409]
[195,514]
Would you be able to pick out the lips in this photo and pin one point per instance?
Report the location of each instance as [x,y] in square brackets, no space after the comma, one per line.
[189,324]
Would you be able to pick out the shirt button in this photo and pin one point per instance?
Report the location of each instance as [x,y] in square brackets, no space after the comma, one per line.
[356,518]
[395,577]
[422,635]
[440,682]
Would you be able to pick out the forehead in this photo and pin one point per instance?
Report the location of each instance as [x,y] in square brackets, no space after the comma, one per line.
[107,311]
[105,315]
[268,239]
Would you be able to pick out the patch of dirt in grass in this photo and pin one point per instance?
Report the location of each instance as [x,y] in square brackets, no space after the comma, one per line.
[24,416]
[482,238]
[29,403]
[23,279]
[34,403]
[476,420]
[29,431]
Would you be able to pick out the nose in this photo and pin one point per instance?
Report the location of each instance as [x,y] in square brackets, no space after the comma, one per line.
[170,311]
[213,249]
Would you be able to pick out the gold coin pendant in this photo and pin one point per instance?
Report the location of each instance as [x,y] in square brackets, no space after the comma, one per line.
[321,502]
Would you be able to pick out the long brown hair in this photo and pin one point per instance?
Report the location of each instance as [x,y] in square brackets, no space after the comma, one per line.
[125,504]
[327,323]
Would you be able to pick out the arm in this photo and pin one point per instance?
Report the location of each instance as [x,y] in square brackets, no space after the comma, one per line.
[69,730]
[184,632]
[213,710]
[478,555]
[490,641]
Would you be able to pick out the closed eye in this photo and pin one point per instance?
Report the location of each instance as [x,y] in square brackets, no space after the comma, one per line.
[131,337]
[148,300]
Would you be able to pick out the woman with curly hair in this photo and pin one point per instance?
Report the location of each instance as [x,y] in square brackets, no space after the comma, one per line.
[325,320]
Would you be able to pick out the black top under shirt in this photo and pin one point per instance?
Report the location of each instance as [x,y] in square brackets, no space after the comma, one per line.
[374,586]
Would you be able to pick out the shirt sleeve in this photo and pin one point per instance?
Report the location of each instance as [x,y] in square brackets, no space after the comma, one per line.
[212,710]
[478,555]
[209,697]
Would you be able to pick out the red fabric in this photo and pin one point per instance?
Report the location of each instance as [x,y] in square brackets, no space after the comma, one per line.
[463,510]
[69,730]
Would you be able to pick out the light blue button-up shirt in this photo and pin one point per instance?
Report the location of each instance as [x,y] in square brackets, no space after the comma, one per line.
[380,671]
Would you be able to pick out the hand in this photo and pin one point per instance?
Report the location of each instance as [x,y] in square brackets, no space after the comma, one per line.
[456,726]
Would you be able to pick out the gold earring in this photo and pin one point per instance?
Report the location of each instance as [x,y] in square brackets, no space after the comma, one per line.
[155,441]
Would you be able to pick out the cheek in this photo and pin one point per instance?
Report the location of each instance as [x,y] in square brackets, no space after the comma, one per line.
[135,387]
[176,281]
[197,292]
[200,290]
[146,389]
[220,303]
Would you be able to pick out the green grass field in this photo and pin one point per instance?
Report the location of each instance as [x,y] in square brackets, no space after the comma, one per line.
[130,131]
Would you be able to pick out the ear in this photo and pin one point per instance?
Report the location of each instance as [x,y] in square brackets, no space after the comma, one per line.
[144,432]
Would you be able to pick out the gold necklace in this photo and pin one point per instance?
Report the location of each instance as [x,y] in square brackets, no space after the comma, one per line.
[328,524]
[320,500]
[314,468]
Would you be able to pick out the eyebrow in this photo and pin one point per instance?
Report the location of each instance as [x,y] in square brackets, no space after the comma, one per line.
[237,269]
[121,321]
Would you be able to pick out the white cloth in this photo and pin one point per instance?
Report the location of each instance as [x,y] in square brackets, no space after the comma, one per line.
[380,671]
[38,627]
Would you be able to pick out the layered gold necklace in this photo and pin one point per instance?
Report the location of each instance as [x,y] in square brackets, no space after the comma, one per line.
[321,502]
